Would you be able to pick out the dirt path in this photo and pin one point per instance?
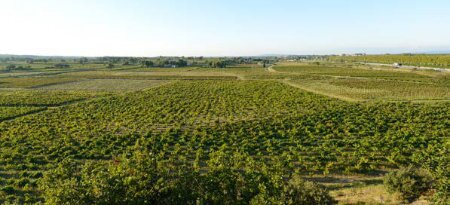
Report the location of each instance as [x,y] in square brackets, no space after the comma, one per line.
[270,69]
[340,97]
[349,99]
[288,82]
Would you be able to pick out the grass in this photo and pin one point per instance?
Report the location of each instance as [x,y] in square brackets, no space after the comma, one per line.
[372,194]
[357,189]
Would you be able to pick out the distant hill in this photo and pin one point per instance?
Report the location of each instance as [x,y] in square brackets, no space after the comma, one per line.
[437,52]
[35,56]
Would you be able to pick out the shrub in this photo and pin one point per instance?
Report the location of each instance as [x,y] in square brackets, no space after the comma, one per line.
[298,191]
[62,65]
[409,182]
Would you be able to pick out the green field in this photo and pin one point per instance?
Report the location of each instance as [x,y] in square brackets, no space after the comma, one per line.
[340,125]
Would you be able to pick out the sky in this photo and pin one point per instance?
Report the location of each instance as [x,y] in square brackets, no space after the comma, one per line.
[222,27]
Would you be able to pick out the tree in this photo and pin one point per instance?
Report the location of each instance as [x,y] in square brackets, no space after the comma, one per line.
[181,63]
[10,67]
[218,64]
[83,60]
[147,64]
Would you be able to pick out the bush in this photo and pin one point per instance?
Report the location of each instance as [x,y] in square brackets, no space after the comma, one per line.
[409,182]
[62,65]
[299,191]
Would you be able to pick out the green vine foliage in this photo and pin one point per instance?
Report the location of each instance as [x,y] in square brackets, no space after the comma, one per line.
[190,128]
[138,177]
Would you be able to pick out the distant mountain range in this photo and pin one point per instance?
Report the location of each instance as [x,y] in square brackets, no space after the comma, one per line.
[35,56]
[261,56]
[438,52]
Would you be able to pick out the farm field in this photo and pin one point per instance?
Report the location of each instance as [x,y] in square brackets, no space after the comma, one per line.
[340,125]
[355,83]
[11,112]
[106,85]
[437,60]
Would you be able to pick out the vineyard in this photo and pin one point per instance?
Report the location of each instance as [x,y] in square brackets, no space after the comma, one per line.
[406,59]
[322,122]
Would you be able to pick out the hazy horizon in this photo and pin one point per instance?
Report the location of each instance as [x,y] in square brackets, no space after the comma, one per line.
[222,28]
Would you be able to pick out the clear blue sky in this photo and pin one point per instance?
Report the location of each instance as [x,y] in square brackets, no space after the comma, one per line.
[222,27]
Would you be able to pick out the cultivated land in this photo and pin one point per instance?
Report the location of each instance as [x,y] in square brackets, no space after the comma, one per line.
[343,125]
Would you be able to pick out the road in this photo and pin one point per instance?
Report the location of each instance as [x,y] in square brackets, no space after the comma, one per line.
[409,67]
